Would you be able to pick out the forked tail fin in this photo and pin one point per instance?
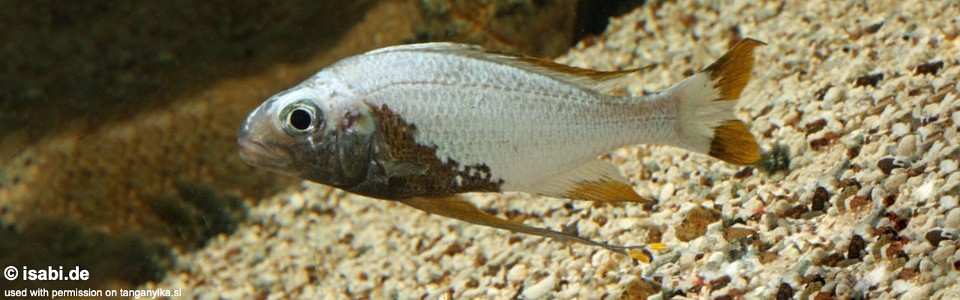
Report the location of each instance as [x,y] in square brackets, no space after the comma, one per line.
[707,99]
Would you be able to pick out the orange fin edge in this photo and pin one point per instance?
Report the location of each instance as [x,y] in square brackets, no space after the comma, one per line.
[733,143]
[731,72]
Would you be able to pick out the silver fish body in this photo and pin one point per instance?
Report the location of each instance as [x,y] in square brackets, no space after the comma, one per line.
[440,119]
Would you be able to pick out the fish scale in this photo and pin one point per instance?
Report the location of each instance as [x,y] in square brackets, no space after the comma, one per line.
[547,142]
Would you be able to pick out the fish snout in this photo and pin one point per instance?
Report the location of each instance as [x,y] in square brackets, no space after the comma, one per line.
[257,154]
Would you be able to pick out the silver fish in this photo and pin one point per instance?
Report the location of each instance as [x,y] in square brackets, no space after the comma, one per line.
[422,124]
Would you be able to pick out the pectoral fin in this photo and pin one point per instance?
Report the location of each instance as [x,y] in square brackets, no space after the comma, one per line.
[458,208]
[594,181]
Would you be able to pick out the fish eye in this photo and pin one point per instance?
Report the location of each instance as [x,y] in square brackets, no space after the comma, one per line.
[300,118]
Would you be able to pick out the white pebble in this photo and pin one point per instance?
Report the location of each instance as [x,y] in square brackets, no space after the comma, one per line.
[948,202]
[517,273]
[948,166]
[540,289]
[907,145]
[900,129]
[925,191]
[666,192]
[953,218]
[913,292]
[894,181]
[834,95]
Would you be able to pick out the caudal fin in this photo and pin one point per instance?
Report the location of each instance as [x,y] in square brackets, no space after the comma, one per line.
[707,99]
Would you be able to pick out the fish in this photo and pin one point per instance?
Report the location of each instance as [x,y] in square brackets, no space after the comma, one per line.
[426,124]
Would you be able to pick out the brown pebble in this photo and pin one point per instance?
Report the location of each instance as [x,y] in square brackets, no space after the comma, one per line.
[820,198]
[827,140]
[928,68]
[856,247]
[831,260]
[654,235]
[600,220]
[784,292]
[744,173]
[734,233]
[694,225]
[859,202]
[907,273]
[815,126]
[853,151]
[873,28]
[868,80]
[823,296]
[768,257]
[885,235]
[849,182]
[890,200]
[472,283]
[916,171]
[796,212]
[641,289]
[898,222]
[888,164]
[934,237]
[719,283]
[453,249]
[814,278]
[894,251]
[688,20]
[480,260]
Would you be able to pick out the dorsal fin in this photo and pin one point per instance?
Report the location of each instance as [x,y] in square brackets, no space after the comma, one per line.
[596,180]
[600,81]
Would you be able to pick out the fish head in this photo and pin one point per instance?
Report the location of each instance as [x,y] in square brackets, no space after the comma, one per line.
[313,131]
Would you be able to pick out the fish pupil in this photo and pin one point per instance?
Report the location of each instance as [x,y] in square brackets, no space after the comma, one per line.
[301,119]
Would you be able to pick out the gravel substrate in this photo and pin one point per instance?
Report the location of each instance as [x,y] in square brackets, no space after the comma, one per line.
[855,106]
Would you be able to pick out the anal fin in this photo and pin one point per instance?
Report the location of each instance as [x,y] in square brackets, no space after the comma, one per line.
[596,180]
[458,208]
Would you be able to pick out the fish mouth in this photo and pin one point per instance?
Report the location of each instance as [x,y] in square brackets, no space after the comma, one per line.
[257,154]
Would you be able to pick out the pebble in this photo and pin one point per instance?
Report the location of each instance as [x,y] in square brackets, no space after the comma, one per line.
[948,166]
[540,289]
[899,129]
[953,218]
[892,183]
[835,95]
[907,146]
[948,202]
[517,273]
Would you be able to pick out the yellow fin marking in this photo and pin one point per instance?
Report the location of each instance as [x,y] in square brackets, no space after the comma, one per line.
[657,246]
[606,191]
[641,255]
[733,143]
[731,72]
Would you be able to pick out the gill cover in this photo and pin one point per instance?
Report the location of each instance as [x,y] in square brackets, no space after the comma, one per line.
[301,132]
